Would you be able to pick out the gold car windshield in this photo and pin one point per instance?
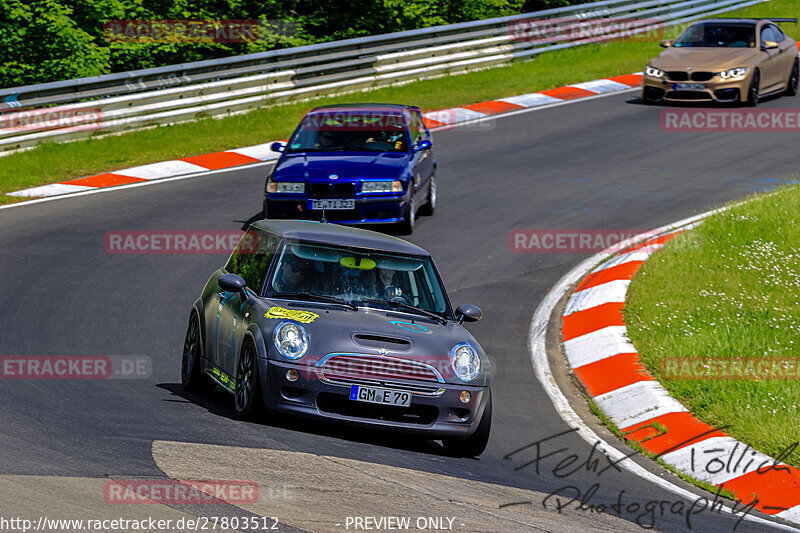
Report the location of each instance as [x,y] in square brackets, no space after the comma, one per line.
[716,35]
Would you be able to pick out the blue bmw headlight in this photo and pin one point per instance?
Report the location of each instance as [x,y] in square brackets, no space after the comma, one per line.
[291,340]
[465,362]
[382,186]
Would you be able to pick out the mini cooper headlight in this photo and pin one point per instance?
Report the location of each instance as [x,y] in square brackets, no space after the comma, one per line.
[282,187]
[382,186]
[465,362]
[732,73]
[291,340]
[653,72]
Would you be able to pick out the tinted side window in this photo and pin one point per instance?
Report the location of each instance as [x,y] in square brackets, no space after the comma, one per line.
[252,258]
[779,35]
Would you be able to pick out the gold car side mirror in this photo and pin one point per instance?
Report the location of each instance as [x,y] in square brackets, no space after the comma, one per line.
[666,43]
[769,45]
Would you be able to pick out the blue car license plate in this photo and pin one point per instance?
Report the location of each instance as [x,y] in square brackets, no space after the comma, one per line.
[333,204]
[381,396]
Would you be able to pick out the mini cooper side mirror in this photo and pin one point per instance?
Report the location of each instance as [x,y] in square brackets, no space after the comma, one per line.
[233,283]
[277,147]
[423,145]
[666,43]
[468,312]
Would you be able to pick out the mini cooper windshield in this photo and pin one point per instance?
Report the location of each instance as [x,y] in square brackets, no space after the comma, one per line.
[358,277]
[716,35]
[358,131]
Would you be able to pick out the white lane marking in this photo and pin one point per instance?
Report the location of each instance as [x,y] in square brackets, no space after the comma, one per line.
[717,459]
[639,255]
[601,86]
[541,368]
[637,402]
[262,152]
[613,291]
[98,190]
[597,345]
[164,169]
[531,100]
[792,514]
[50,190]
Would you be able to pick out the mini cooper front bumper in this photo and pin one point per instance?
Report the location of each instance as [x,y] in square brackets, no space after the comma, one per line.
[436,409]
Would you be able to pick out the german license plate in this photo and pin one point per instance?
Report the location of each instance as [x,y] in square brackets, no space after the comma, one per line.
[688,86]
[333,204]
[381,396]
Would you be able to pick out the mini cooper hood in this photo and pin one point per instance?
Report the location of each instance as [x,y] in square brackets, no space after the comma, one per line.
[334,330]
[704,59]
[347,166]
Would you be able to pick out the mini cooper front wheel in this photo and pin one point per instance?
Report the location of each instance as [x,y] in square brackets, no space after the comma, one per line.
[475,444]
[247,391]
[191,376]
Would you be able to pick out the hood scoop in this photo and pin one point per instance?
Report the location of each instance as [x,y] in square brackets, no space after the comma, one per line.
[370,340]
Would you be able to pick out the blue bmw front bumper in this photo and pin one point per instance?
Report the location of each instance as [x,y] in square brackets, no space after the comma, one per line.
[378,209]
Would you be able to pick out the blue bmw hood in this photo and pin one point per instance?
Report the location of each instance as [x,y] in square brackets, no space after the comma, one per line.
[348,166]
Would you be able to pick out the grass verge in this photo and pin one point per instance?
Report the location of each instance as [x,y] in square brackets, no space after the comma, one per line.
[726,290]
[51,163]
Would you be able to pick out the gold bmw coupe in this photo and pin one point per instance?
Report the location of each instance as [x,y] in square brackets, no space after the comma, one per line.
[724,60]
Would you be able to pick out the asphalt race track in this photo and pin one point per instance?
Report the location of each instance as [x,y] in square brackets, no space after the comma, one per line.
[601,163]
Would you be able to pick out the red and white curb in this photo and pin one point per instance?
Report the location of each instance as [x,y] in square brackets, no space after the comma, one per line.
[154,171]
[602,357]
[262,152]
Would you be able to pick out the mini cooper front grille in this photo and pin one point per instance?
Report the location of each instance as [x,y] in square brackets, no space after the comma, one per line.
[376,367]
[414,388]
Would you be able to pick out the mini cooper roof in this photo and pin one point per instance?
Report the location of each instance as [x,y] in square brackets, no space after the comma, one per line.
[319,232]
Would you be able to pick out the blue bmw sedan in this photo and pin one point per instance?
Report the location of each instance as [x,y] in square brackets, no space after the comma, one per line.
[355,164]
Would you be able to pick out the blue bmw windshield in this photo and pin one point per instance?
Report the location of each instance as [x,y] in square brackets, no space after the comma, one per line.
[350,130]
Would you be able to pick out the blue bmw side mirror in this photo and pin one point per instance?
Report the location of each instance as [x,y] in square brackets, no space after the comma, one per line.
[423,145]
[277,147]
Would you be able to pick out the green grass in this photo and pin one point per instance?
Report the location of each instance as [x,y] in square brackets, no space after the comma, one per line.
[52,162]
[728,289]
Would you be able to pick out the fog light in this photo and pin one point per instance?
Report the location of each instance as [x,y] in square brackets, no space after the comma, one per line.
[465,396]
[292,375]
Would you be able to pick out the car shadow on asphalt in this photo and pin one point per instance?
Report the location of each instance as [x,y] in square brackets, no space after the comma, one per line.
[220,403]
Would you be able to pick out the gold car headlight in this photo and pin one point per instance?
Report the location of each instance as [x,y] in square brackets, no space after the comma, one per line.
[733,73]
[653,72]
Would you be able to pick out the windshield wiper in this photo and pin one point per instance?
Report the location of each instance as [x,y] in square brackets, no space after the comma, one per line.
[317,298]
[407,307]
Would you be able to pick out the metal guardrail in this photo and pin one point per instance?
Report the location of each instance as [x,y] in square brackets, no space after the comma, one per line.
[73,109]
